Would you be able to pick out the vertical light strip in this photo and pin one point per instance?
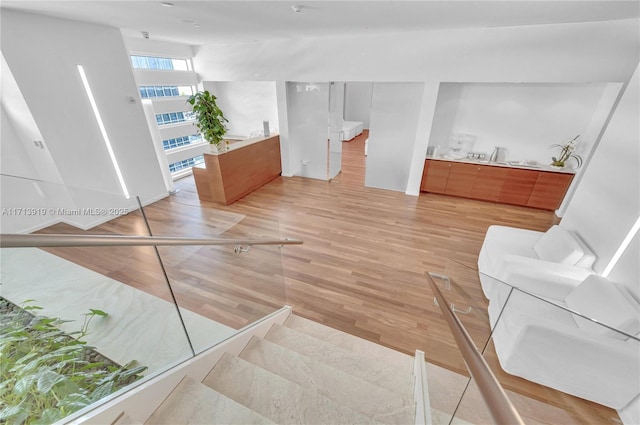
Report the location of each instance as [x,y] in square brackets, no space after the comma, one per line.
[623,246]
[103,130]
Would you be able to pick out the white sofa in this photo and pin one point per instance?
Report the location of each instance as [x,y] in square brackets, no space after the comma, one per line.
[549,263]
[546,344]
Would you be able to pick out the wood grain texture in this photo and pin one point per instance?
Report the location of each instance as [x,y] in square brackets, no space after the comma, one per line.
[231,175]
[488,183]
[549,190]
[436,175]
[461,179]
[361,269]
[517,187]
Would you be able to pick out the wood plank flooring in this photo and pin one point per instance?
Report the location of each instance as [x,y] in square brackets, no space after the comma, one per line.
[361,269]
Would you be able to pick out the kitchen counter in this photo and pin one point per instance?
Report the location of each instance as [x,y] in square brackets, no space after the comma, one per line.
[510,164]
[537,186]
[227,176]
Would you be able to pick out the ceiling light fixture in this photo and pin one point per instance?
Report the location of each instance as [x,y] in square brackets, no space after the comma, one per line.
[166,4]
[297,8]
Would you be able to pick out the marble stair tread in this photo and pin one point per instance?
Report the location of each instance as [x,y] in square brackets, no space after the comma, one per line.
[124,419]
[370,369]
[350,342]
[275,397]
[374,401]
[194,403]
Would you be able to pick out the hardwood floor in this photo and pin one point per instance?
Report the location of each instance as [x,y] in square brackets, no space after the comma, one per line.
[361,269]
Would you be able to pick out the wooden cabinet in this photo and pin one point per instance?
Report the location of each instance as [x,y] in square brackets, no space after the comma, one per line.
[516,186]
[435,176]
[461,179]
[488,183]
[226,177]
[549,190]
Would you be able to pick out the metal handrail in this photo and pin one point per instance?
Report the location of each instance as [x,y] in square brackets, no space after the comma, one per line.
[500,407]
[37,241]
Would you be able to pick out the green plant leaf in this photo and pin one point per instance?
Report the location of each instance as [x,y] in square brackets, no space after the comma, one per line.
[23,385]
[102,391]
[48,416]
[10,411]
[74,402]
[48,379]
[98,312]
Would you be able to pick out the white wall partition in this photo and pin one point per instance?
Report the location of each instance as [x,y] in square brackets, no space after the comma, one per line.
[607,202]
[336,121]
[525,118]
[357,103]
[308,109]
[246,104]
[59,105]
[394,121]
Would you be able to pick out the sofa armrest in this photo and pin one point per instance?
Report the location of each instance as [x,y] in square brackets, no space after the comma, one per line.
[539,277]
[564,357]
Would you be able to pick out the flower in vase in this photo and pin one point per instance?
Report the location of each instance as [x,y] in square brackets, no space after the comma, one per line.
[566,153]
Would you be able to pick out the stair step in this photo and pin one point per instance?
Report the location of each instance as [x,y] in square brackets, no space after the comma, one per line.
[194,403]
[350,342]
[275,397]
[124,419]
[370,369]
[360,395]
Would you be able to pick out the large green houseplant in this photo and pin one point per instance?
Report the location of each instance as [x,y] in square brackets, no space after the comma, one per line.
[210,120]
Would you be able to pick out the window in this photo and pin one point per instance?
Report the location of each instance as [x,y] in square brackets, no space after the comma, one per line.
[147,92]
[177,166]
[180,141]
[174,117]
[167,64]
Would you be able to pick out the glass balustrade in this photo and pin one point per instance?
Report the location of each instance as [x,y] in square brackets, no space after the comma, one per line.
[574,359]
[83,324]
[231,286]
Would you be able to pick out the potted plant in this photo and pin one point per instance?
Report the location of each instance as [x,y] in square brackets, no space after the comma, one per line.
[210,120]
[566,153]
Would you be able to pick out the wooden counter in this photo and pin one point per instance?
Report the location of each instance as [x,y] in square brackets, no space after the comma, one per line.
[228,176]
[544,189]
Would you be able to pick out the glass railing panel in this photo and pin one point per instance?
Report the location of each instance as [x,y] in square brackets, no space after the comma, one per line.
[71,289]
[563,356]
[116,302]
[226,287]
[28,205]
[446,385]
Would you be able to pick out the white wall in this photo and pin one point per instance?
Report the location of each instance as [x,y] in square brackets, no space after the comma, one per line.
[43,54]
[246,104]
[14,160]
[593,52]
[357,105]
[607,202]
[24,152]
[395,109]
[525,118]
[583,52]
[308,117]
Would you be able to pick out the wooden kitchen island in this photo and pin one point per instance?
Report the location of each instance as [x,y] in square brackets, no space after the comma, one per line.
[228,176]
[537,187]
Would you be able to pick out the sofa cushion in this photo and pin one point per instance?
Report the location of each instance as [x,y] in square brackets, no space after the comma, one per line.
[559,246]
[608,303]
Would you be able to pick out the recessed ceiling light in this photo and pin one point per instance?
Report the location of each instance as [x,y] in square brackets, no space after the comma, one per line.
[297,8]
[196,25]
[167,4]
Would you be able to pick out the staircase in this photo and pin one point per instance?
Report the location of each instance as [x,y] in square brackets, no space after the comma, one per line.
[301,372]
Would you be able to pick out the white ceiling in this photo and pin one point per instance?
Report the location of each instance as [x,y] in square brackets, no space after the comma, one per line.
[206,21]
